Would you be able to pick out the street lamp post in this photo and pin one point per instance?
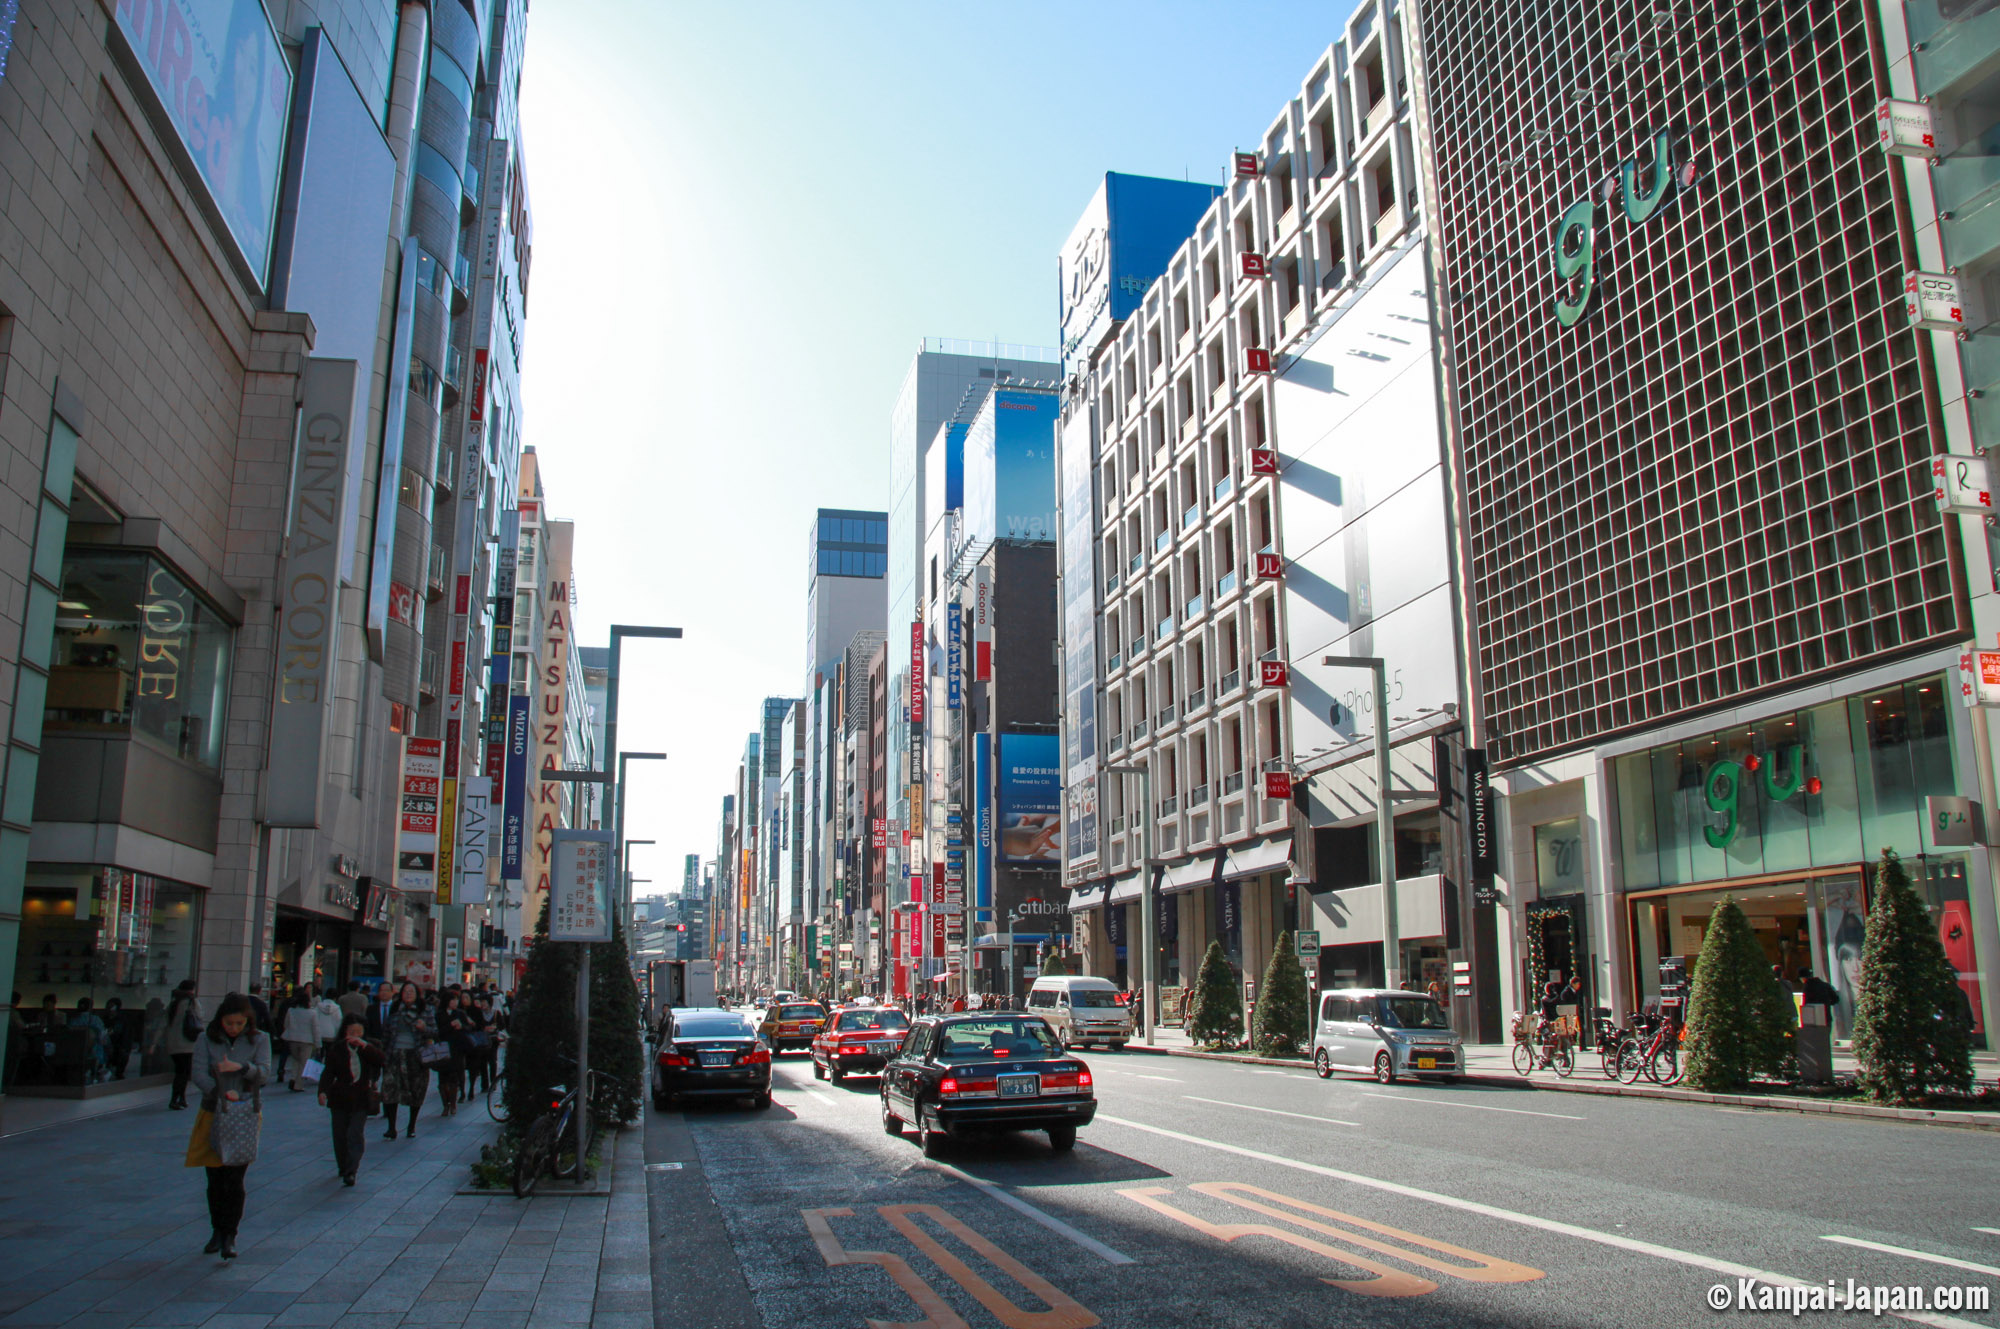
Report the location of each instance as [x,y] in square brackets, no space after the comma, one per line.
[1148,972]
[1385,811]
[625,885]
[619,632]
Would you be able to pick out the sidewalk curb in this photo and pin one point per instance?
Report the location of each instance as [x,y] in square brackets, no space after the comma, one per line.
[1965,1121]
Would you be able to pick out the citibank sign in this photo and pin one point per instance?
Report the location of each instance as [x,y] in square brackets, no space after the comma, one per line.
[1640,195]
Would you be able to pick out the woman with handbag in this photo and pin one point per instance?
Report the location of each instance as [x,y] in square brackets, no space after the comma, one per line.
[231,1063]
[405,1079]
[347,1089]
[178,1035]
[454,1023]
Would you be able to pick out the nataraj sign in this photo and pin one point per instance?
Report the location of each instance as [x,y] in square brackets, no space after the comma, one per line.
[917,672]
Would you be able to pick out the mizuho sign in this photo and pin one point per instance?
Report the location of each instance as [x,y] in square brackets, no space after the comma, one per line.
[1585,227]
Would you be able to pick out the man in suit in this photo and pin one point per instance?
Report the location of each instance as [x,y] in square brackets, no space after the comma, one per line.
[377,1014]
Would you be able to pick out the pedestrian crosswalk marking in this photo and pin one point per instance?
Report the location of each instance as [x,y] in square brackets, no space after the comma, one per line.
[1469,1265]
[1063,1312]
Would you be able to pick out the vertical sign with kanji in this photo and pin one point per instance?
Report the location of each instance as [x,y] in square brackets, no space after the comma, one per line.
[580,886]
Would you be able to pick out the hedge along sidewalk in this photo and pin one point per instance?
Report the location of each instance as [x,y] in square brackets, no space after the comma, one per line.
[1965,1120]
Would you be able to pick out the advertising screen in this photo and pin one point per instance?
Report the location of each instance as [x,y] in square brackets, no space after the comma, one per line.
[1030,798]
[221,75]
[1010,468]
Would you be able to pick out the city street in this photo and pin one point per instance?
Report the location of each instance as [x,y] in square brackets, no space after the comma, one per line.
[1218,1194]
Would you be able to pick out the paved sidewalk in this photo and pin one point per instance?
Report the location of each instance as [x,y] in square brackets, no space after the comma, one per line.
[101,1227]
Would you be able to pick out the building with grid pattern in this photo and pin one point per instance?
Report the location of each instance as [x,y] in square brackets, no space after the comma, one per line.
[1711,605]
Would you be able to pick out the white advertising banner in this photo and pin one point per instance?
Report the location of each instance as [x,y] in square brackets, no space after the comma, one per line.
[417,826]
[580,886]
[475,831]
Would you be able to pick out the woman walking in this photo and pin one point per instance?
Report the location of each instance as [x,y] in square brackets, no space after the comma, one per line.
[345,1088]
[301,1035]
[454,1027]
[230,1064]
[179,1033]
[405,1079]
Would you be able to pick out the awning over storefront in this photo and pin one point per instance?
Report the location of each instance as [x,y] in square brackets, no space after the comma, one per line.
[1088,897]
[1125,889]
[1197,871]
[1248,861]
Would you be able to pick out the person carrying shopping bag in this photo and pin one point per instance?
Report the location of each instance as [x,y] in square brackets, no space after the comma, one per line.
[301,1035]
[405,1079]
[347,1090]
[230,1065]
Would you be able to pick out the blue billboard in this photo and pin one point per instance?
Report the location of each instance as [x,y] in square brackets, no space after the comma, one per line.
[982,821]
[1118,249]
[1031,798]
[1010,467]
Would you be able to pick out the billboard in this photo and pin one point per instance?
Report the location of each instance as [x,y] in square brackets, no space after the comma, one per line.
[513,815]
[579,885]
[1010,467]
[1030,783]
[475,827]
[225,86]
[417,836]
[1118,248]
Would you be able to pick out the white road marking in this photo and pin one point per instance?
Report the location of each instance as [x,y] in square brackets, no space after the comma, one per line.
[1141,1075]
[1267,1072]
[1042,1216]
[1917,1255]
[1994,1231]
[1302,1116]
[1726,1267]
[1477,1107]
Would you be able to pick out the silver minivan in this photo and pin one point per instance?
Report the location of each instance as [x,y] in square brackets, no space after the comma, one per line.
[1082,1009]
[1385,1033]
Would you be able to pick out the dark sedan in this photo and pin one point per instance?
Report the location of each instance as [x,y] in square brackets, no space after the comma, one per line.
[710,1053]
[965,1076]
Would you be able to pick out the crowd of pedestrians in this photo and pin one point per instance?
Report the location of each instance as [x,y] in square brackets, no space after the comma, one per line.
[368,1053]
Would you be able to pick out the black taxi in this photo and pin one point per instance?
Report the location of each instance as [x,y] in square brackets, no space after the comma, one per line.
[965,1076]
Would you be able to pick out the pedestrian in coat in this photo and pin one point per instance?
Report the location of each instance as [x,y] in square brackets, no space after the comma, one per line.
[179,1033]
[327,1019]
[454,1024]
[231,1063]
[301,1035]
[354,1001]
[405,1078]
[352,1066]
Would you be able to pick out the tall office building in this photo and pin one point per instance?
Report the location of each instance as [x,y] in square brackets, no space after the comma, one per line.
[231,375]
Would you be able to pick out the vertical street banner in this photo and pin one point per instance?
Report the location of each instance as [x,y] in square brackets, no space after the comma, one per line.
[417,826]
[552,714]
[514,815]
[918,683]
[580,885]
[308,592]
[954,655]
[447,843]
[454,966]
[982,821]
[982,623]
[475,830]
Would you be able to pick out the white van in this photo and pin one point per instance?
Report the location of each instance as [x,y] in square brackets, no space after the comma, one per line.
[1082,1010]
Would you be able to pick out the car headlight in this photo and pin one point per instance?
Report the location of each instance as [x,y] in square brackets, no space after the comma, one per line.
[1395,1035]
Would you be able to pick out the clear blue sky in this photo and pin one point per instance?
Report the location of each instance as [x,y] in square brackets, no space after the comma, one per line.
[746,217]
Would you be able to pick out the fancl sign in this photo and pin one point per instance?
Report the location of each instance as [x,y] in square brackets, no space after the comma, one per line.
[1584,228]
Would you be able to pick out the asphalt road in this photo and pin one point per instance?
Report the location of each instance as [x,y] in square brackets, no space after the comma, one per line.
[1211,1193]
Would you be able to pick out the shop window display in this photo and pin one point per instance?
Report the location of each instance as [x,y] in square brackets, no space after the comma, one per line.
[110,936]
[138,652]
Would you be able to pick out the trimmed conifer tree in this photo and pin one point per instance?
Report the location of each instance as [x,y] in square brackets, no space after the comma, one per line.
[1279,1028]
[1740,1018]
[617,1053]
[541,1029]
[1216,1015]
[1911,1036]
[1054,965]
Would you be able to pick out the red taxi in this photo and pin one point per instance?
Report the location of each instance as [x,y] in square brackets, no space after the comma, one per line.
[858,1040]
[792,1024]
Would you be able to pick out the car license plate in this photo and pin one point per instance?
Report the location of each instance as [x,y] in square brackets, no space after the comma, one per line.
[715,1058]
[1020,1086]
[882,1049]
[1427,1063]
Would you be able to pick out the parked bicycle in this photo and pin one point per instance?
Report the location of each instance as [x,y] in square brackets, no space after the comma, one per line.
[1653,1051]
[550,1146]
[496,1096]
[1542,1045]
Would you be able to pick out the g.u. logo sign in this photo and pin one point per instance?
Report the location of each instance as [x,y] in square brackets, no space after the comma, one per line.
[1581,232]
[1783,773]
